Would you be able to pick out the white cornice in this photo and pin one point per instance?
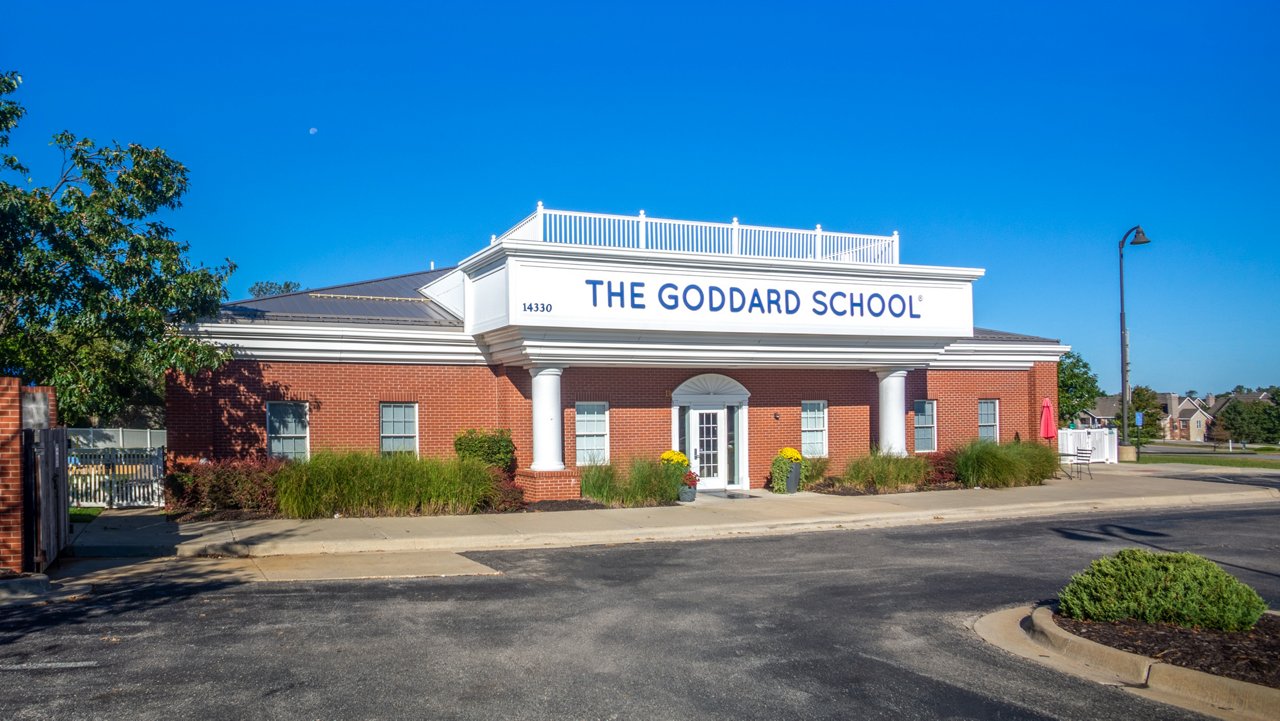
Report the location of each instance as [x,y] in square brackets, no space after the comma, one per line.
[562,252]
[970,354]
[334,343]
[532,347]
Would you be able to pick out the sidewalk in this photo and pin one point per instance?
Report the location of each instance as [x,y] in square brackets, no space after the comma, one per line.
[138,533]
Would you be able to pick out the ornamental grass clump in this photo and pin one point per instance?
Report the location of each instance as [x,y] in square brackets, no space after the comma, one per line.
[644,483]
[1182,589]
[367,484]
[991,465]
[879,473]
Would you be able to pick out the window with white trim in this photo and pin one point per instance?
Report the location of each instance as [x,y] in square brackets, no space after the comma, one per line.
[398,427]
[591,432]
[287,430]
[989,420]
[813,428]
[926,426]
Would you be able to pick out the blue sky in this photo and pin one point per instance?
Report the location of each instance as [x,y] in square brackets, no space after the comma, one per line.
[1023,138]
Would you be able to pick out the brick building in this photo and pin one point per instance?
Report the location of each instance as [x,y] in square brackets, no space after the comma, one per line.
[596,337]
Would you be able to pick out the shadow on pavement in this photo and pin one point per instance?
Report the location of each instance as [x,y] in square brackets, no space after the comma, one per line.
[1114,532]
[107,602]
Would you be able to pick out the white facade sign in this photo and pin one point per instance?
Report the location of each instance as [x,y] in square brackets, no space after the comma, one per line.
[615,296]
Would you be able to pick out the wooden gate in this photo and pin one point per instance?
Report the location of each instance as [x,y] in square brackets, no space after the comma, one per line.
[45,499]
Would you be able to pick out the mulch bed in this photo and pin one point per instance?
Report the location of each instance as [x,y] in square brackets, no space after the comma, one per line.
[229,514]
[222,514]
[1252,656]
[833,488]
[577,504]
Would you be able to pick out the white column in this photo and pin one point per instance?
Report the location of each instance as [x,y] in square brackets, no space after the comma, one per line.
[548,420]
[893,412]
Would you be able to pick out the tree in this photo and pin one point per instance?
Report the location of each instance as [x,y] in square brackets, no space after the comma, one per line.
[1077,387]
[1192,394]
[1246,422]
[93,288]
[1143,399]
[1218,433]
[264,288]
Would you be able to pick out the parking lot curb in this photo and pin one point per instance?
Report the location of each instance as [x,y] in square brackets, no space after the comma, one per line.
[236,545]
[1240,699]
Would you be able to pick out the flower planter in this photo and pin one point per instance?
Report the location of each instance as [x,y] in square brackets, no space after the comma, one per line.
[688,493]
[793,478]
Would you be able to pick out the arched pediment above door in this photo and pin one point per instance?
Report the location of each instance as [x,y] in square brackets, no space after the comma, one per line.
[710,387]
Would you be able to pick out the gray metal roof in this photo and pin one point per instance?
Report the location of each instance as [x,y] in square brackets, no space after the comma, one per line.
[989,334]
[393,300]
[396,300]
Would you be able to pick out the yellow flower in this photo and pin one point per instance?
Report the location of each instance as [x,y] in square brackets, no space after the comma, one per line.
[675,458]
[791,454]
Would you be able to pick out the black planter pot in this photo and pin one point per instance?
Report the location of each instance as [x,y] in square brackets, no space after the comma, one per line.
[688,493]
[793,478]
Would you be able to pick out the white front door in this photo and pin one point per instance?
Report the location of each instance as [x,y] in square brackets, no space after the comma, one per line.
[710,459]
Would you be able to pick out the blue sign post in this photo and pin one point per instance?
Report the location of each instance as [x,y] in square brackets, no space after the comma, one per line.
[1137,418]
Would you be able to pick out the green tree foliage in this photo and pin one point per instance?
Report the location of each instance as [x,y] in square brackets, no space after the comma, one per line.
[92,286]
[264,288]
[1077,387]
[1143,399]
[1250,422]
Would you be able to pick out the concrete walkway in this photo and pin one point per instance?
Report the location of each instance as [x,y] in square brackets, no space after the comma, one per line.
[134,533]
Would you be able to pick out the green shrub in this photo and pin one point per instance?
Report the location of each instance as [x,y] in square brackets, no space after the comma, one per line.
[814,472]
[991,465]
[1176,588]
[493,448]
[880,472]
[369,484]
[645,483]
[983,463]
[1041,460]
[247,485]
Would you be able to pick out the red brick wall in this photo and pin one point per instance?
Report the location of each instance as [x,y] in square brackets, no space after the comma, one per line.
[222,414]
[957,393]
[640,410]
[10,475]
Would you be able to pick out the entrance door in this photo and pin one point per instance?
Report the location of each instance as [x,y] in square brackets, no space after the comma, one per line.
[710,459]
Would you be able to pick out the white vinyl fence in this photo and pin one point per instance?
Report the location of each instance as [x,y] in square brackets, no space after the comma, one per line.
[116,477]
[116,437]
[1102,441]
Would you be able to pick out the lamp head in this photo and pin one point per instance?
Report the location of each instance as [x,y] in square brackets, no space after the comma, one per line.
[1139,237]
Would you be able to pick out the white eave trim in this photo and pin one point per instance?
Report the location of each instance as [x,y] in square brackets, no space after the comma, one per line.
[333,343]
[969,354]
[661,258]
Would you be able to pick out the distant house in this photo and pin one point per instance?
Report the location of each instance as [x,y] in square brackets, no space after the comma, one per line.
[1216,404]
[1102,415]
[1185,418]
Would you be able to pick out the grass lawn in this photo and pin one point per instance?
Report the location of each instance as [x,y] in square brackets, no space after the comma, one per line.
[84,515]
[1211,461]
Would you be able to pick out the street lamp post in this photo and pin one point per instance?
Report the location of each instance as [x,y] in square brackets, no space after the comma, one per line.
[1139,238]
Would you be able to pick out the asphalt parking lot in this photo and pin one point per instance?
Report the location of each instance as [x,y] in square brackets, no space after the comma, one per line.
[857,624]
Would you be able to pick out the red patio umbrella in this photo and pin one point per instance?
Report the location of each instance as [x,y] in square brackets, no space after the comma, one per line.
[1048,428]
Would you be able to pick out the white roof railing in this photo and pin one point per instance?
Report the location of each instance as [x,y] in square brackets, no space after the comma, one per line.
[641,232]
